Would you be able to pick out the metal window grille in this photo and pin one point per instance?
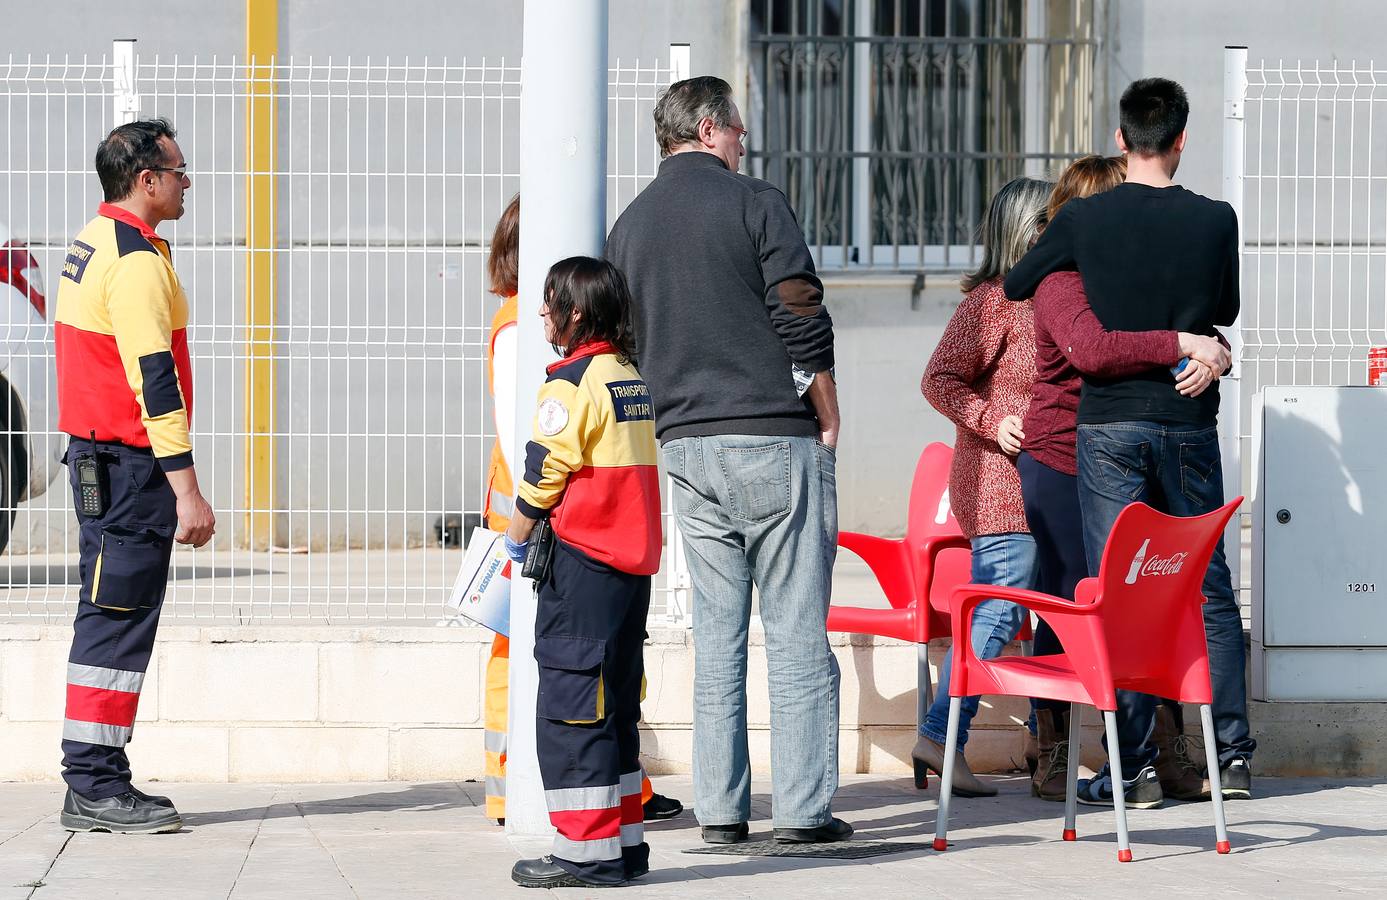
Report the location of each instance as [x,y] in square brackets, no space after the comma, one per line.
[375,435]
[890,123]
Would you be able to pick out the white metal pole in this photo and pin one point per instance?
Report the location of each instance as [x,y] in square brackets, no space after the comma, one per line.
[127,101]
[678,582]
[1230,418]
[862,134]
[1034,112]
[563,185]
[679,61]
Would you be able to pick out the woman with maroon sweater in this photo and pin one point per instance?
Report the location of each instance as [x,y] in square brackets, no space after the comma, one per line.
[1070,342]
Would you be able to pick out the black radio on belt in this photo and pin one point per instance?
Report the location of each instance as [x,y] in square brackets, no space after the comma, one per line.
[91,487]
[540,556]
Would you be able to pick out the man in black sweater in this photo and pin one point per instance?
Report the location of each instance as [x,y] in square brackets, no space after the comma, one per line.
[1154,255]
[737,348]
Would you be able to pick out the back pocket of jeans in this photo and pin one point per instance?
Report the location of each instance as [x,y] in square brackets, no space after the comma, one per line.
[570,678]
[1115,462]
[131,567]
[758,480]
[1201,467]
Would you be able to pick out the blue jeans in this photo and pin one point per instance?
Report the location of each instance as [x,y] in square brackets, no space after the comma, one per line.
[764,511]
[1179,471]
[1005,560]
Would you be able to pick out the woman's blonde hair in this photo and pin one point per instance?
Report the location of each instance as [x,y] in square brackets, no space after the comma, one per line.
[1085,177]
[1013,219]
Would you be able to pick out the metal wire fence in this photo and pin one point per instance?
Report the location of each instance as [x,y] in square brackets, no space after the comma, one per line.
[342,421]
[1314,222]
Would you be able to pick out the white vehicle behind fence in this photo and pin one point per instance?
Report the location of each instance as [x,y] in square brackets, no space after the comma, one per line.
[30,448]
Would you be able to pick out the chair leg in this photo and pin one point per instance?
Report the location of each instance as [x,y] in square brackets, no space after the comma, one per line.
[1119,801]
[1071,790]
[924,696]
[1206,721]
[946,784]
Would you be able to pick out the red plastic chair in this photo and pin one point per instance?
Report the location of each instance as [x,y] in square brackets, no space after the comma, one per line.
[930,562]
[1138,626]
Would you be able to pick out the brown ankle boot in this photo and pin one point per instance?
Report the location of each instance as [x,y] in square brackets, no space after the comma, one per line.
[1180,775]
[1052,747]
[1030,751]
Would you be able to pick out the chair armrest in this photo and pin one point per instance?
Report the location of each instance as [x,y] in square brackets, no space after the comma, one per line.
[936,542]
[967,596]
[884,557]
[1079,628]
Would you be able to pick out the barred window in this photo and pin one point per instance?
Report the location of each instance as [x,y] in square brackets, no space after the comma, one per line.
[890,123]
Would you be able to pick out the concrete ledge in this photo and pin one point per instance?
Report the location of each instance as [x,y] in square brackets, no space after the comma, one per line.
[313,704]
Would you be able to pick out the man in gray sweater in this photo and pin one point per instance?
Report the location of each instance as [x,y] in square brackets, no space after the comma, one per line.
[737,348]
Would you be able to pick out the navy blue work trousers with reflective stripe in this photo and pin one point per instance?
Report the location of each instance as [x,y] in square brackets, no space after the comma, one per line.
[589,637]
[124,566]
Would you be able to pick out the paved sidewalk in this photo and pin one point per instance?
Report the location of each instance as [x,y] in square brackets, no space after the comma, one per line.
[1300,838]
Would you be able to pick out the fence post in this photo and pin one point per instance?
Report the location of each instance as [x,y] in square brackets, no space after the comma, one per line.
[678,62]
[863,236]
[563,180]
[1230,418]
[677,581]
[262,39]
[127,101]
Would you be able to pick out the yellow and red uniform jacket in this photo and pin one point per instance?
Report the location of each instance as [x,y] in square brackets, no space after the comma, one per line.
[122,342]
[591,466]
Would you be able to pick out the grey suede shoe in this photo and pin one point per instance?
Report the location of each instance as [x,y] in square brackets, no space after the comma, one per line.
[966,784]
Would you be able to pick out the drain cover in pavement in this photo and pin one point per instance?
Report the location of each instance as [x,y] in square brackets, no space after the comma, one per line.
[835,850]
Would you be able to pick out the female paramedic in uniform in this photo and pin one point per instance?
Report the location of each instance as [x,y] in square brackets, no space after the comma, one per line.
[591,470]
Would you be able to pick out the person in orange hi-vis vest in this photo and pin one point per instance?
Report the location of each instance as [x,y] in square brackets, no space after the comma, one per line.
[503,268]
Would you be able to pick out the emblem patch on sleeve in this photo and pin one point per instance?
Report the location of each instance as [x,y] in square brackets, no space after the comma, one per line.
[552,417]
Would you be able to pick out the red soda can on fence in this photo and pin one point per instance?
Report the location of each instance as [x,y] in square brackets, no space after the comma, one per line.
[1377,367]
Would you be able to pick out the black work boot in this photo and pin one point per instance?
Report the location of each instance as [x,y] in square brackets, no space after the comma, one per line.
[660,807]
[124,813]
[545,873]
[152,798]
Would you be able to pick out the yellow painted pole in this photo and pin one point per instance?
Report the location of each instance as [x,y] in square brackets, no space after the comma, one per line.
[262,43]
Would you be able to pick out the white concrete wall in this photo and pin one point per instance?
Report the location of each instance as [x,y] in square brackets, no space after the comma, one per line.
[372,704]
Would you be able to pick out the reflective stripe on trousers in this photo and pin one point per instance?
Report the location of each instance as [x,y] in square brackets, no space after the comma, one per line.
[101,704]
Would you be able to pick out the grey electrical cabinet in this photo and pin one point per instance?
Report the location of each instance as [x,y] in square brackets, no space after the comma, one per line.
[1319,548]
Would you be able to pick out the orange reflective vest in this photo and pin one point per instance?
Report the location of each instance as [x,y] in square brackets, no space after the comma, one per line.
[500,489]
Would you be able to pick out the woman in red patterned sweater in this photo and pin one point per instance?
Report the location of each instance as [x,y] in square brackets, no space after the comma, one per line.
[980,377]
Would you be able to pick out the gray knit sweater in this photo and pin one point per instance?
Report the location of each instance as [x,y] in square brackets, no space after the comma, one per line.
[726,300]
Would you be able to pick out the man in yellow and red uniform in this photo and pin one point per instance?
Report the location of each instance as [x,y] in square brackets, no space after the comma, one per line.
[125,399]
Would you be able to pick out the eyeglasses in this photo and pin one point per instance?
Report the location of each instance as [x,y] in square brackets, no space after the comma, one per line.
[742,137]
[180,171]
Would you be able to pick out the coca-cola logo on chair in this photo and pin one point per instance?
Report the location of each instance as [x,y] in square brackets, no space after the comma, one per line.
[1143,565]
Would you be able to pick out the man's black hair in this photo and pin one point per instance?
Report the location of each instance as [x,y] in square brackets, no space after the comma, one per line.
[1153,113]
[128,150]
